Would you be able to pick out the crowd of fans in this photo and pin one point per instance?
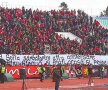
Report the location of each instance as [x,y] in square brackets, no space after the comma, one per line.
[27,31]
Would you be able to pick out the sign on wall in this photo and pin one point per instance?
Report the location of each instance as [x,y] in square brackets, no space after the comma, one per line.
[31,71]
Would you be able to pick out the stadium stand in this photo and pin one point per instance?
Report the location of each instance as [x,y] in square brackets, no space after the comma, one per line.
[27,31]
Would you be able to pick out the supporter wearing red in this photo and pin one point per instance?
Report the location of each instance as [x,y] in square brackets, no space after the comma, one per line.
[23,29]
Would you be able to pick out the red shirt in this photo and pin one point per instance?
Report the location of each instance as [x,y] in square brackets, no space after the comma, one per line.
[2,32]
[97,49]
[97,23]
[23,21]
[84,29]
[59,50]
[9,17]
[35,16]
[18,13]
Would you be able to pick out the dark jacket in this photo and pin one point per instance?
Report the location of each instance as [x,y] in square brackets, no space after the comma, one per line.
[57,74]
[90,70]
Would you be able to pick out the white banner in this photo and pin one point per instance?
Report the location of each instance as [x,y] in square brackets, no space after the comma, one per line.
[54,59]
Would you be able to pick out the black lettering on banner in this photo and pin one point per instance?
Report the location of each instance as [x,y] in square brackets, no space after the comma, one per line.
[73,62]
[54,61]
[24,63]
[30,58]
[87,62]
[12,57]
[33,58]
[78,56]
[62,60]
[92,57]
[18,58]
[26,58]
[36,57]
[9,62]
[85,57]
[71,56]
[97,62]
[58,60]
[33,63]
[40,61]
[78,62]
[46,59]
[68,57]
[7,57]
[57,56]
[29,63]
[48,62]
[69,62]
[82,61]
[14,63]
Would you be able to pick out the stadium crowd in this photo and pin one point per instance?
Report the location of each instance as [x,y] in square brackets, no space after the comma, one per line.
[27,31]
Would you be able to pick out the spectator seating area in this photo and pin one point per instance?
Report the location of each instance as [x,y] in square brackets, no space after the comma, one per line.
[27,31]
